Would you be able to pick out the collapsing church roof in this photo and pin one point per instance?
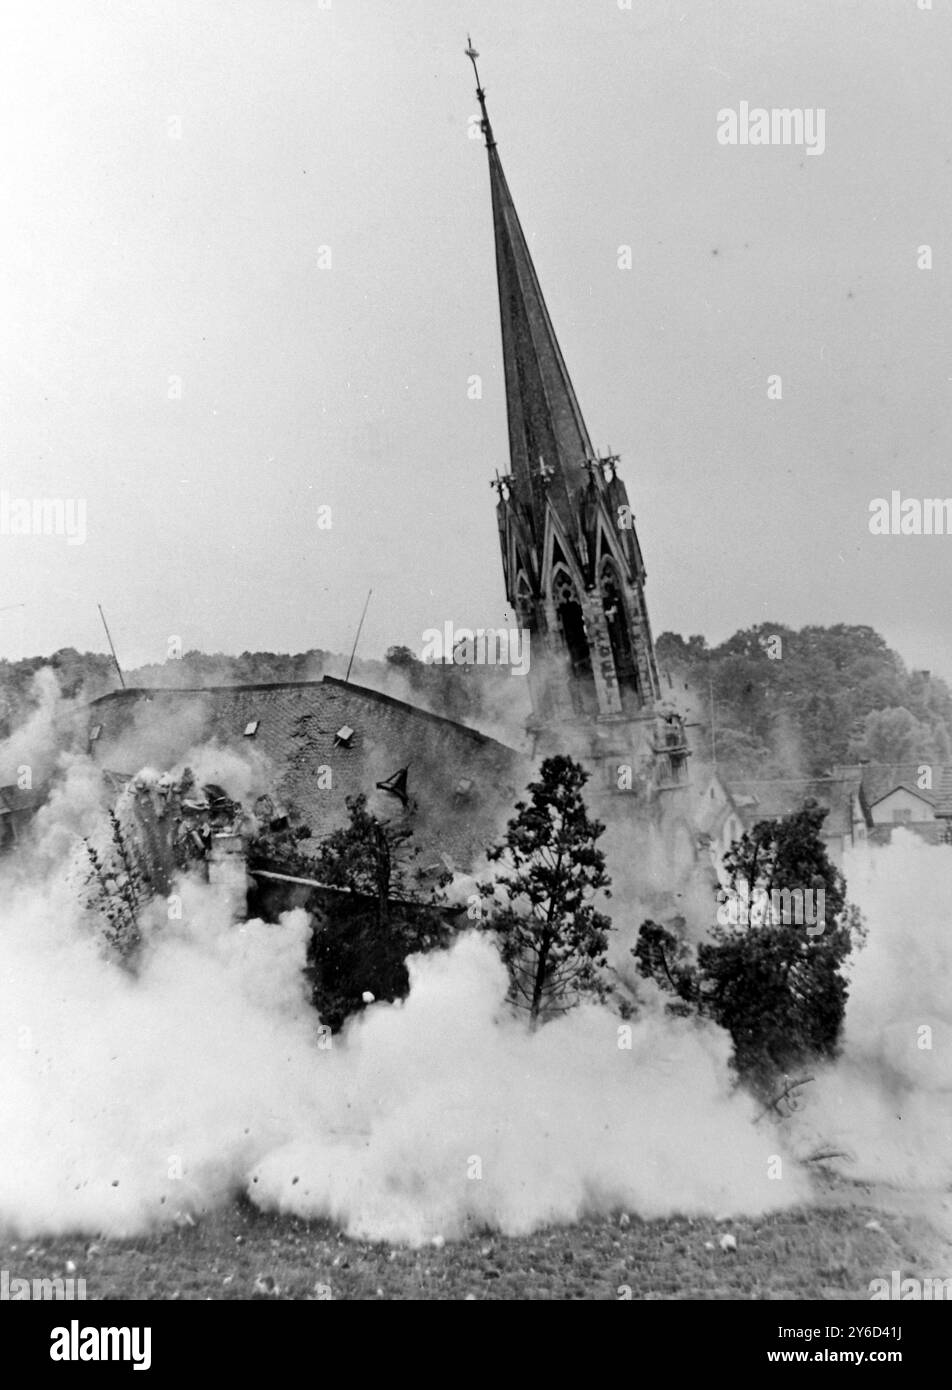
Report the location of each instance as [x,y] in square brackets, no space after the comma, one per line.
[297,730]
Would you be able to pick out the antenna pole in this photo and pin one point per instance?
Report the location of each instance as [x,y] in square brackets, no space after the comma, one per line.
[111,647]
[357,638]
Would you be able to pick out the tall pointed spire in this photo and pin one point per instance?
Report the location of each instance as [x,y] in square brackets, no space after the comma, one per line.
[549,444]
[572,564]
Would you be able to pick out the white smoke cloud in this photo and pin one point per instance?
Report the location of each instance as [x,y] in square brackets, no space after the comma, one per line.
[125,1101]
[72,810]
[888,1101]
[156,734]
[35,743]
[444,1114]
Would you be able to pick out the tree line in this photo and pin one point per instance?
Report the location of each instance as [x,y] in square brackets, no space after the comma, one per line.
[772,701]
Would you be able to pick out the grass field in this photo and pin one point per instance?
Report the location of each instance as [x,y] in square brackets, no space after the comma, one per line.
[825,1251]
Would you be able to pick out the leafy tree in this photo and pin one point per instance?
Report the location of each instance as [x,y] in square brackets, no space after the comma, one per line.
[672,649]
[661,952]
[369,857]
[401,657]
[348,954]
[807,706]
[362,942]
[897,736]
[777,988]
[281,851]
[552,938]
[77,671]
[746,755]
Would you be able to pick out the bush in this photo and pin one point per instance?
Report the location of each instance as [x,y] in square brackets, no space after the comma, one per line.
[348,954]
[775,986]
[382,915]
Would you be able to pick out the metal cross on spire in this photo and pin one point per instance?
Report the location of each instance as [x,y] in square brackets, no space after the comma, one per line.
[472,55]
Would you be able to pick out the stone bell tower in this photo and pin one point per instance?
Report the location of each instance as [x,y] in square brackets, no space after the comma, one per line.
[572,563]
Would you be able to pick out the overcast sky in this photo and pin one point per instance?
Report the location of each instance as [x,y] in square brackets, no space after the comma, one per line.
[172,172]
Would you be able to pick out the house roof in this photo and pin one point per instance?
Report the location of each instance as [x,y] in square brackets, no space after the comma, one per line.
[879,779]
[296,728]
[770,798]
[927,798]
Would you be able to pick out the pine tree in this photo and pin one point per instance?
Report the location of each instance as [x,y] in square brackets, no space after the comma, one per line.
[551,936]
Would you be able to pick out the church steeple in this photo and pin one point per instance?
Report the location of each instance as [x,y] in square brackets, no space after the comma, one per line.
[573,566]
[548,441]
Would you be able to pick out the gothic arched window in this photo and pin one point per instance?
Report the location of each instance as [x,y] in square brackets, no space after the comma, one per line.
[619,633]
[572,624]
[525,602]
